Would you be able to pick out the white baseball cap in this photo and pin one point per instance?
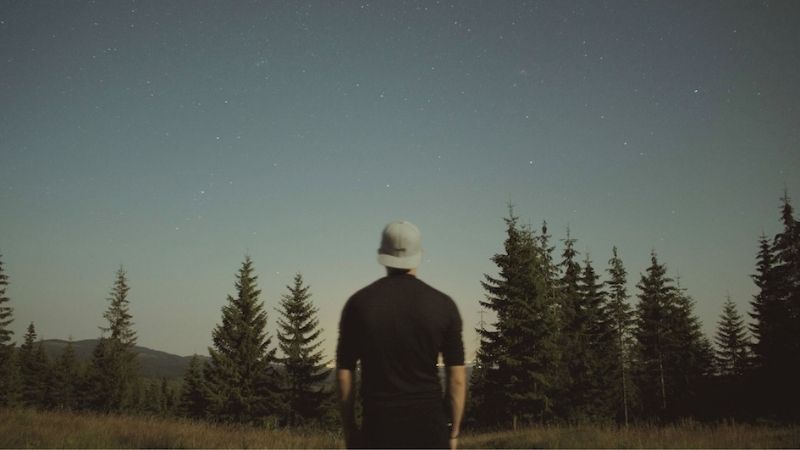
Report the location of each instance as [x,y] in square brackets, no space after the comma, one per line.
[401,245]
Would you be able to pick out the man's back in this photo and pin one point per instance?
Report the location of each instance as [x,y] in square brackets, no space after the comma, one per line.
[397,326]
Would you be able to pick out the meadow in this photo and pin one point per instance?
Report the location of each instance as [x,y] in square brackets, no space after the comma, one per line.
[36,429]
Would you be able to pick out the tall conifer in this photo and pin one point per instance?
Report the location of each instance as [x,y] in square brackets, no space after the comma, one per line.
[652,338]
[691,355]
[113,372]
[194,393]
[733,345]
[673,355]
[304,393]
[766,311]
[6,316]
[488,395]
[783,311]
[8,366]
[240,374]
[571,333]
[597,383]
[547,269]
[33,370]
[66,380]
[514,378]
[621,315]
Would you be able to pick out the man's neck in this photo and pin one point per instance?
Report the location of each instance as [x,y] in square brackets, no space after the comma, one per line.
[412,272]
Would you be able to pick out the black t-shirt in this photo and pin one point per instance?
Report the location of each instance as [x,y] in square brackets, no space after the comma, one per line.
[397,326]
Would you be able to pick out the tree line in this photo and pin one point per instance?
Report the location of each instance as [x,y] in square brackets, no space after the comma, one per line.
[567,347]
[245,380]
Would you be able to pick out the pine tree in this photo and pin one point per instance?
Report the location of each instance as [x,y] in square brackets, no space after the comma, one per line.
[113,373]
[673,356]
[621,316]
[732,354]
[34,370]
[652,338]
[547,270]
[778,313]
[691,355]
[530,338]
[6,315]
[765,312]
[9,377]
[66,380]
[597,382]
[298,339]
[569,290]
[194,395]
[240,374]
[168,400]
[571,335]
[153,402]
[489,398]
[514,376]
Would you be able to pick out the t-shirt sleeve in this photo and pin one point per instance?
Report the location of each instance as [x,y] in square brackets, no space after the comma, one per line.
[346,348]
[453,345]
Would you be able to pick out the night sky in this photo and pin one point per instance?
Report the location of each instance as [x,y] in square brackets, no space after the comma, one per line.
[175,137]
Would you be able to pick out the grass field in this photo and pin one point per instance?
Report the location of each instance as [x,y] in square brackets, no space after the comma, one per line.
[32,429]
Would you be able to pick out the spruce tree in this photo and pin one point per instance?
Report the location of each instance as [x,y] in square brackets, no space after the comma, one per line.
[66,380]
[514,380]
[547,269]
[489,398]
[530,336]
[298,339]
[168,400]
[596,383]
[691,355]
[732,353]
[781,318]
[570,295]
[8,367]
[571,334]
[621,315]
[113,372]
[153,402]
[194,394]
[240,374]
[6,316]
[652,339]
[34,370]
[673,356]
[766,311]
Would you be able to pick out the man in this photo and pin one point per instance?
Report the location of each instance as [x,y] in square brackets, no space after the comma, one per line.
[397,327]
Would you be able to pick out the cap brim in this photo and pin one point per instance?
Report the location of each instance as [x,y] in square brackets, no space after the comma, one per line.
[407,262]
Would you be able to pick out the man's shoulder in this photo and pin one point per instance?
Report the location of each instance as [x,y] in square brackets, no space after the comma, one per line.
[366,290]
[388,283]
[433,292]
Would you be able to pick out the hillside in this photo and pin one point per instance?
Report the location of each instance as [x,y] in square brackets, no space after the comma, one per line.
[152,363]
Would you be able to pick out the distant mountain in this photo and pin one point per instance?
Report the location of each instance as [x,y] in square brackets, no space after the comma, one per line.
[155,363]
[152,363]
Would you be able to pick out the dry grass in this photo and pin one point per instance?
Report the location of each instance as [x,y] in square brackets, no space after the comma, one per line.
[33,429]
[687,435]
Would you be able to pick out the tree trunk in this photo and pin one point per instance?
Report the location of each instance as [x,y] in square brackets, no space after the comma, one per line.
[663,387]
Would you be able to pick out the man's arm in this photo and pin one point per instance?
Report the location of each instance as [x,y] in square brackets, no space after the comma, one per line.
[345,380]
[457,394]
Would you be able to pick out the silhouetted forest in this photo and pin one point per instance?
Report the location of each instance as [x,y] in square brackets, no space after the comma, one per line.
[565,347]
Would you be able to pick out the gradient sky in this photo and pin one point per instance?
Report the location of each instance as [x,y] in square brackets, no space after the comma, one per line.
[174,137]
